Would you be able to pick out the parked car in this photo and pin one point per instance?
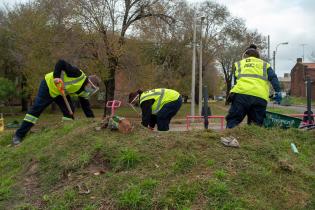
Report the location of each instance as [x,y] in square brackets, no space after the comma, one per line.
[219,98]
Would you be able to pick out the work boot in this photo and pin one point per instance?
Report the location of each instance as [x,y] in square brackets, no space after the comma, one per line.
[16,140]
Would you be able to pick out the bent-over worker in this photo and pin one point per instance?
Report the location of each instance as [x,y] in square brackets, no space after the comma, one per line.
[158,107]
[76,83]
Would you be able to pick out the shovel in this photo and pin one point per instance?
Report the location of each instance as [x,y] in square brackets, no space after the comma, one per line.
[61,88]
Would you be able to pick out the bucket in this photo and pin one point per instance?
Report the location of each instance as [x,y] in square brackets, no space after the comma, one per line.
[1,123]
[279,120]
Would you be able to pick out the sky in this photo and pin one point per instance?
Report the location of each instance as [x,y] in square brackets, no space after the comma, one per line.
[289,21]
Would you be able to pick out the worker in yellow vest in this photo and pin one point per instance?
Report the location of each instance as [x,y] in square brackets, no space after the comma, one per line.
[76,83]
[250,94]
[158,107]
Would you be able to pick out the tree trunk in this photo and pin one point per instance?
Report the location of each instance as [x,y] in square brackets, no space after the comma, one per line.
[24,97]
[110,85]
[24,103]
[228,89]
[109,95]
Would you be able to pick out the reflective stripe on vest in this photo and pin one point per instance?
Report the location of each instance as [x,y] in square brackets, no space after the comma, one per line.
[149,95]
[155,93]
[84,94]
[72,85]
[71,82]
[158,106]
[264,77]
[161,97]
[252,78]
[30,118]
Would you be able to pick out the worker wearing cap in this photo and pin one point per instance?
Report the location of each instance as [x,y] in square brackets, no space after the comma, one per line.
[250,94]
[76,83]
[159,106]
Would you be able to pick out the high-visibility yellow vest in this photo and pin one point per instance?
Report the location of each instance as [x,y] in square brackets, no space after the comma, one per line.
[161,96]
[72,84]
[252,78]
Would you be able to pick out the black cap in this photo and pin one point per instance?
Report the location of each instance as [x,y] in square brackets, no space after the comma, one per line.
[133,95]
[253,46]
[252,51]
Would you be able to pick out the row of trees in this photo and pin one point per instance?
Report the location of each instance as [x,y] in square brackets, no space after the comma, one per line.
[148,40]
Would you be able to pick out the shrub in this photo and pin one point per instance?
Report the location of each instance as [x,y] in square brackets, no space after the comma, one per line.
[7,89]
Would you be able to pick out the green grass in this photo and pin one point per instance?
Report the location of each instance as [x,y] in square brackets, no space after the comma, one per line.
[282,110]
[154,170]
[299,101]
[220,174]
[133,198]
[184,163]
[180,196]
[128,158]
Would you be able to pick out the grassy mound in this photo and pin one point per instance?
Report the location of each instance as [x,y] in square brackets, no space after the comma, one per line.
[56,166]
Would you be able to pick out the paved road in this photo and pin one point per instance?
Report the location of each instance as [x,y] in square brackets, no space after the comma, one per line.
[299,108]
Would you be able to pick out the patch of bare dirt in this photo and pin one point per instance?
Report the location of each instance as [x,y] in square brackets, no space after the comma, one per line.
[31,184]
[107,205]
[297,199]
[99,164]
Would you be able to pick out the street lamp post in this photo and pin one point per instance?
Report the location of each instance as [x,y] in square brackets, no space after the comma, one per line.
[193,73]
[200,69]
[275,52]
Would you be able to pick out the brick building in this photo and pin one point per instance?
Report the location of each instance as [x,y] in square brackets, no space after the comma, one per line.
[299,73]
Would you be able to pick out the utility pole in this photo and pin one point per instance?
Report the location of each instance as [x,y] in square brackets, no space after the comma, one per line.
[269,48]
[309,98]
[274,60]
[200,70]
[193,73]
[205,107]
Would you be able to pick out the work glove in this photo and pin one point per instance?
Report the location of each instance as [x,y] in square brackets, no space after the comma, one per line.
[278,97]
[230,98]
[57,80]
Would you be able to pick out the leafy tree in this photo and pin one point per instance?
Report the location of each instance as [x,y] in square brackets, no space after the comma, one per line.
[32,38]
[169,50]
[111,19]
[137,38]
[7,62]
[7,90]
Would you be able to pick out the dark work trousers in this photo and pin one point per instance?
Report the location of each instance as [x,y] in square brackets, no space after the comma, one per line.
[242,105]
[42,100]
[164,116]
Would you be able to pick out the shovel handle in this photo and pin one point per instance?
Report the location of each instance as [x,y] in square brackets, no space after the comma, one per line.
[61,87]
